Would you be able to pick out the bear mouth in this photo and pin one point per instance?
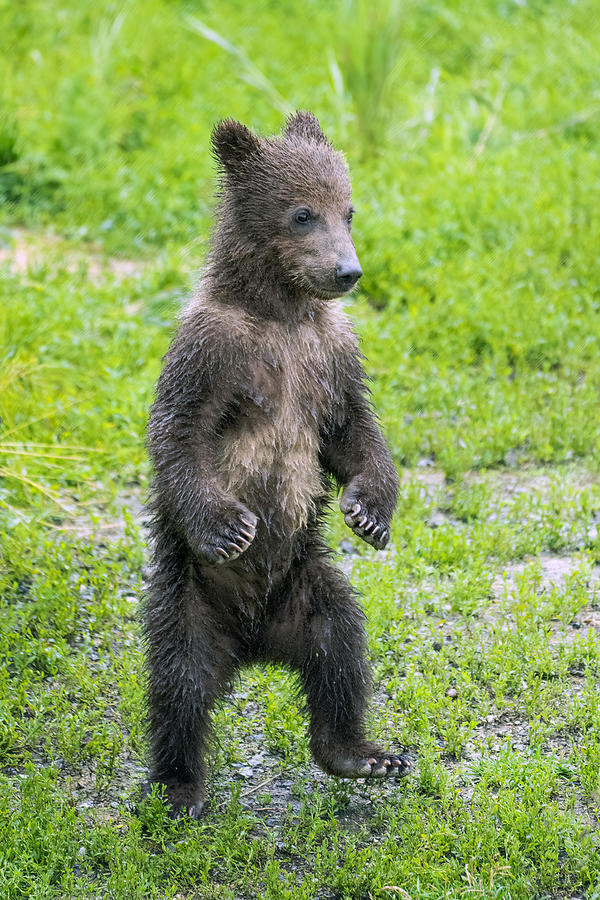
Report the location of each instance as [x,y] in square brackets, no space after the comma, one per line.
[328,292]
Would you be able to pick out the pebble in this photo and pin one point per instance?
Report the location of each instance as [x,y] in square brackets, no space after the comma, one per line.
[438,518]
[347,547]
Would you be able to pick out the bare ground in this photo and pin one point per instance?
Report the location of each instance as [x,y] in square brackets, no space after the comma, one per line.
[27,250]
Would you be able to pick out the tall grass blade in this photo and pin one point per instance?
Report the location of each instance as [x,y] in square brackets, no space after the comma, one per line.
[249,72]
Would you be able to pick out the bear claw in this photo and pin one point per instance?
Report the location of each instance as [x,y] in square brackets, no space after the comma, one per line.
[193,812]
[238,539]
[176,804]
[396,766]
[357,517]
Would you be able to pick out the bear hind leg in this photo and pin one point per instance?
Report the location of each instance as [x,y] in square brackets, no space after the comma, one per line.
[192,659]
[319,631]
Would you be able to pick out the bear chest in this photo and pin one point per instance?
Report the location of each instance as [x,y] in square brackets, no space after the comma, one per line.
[290,385]
[271,450]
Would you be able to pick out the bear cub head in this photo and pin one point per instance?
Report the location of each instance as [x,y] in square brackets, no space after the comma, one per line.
[286,208]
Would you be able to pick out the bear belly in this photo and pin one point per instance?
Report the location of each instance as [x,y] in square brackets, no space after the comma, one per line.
[272,466]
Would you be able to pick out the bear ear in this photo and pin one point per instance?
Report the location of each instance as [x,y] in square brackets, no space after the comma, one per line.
[304,124]
[233,143]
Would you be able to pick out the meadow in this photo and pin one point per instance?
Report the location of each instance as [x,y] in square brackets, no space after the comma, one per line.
[472,133]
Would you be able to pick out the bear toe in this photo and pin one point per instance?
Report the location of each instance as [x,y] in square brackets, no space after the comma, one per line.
[375,763]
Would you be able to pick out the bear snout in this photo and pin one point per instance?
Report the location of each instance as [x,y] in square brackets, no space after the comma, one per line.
[347,274]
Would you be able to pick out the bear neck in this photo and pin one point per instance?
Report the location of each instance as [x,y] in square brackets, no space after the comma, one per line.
[247,275]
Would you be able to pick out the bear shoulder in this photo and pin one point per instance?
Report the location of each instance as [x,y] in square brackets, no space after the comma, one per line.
[206,319]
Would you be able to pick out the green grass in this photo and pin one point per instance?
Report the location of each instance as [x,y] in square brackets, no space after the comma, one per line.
[472,131]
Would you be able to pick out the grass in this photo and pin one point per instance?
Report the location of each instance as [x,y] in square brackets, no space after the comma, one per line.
[472,135]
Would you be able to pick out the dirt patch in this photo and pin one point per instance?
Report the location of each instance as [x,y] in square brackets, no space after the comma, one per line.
[29,250]
[552,573]
[106,522]
[528,480]
[507,481]
[425,474]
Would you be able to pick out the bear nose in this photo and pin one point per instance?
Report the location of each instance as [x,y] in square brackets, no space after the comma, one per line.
[347,273]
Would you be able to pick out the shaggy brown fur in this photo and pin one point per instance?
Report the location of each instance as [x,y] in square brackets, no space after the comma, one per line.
[261,403]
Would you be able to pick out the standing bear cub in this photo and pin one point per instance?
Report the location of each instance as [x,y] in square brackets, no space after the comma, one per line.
[260,408]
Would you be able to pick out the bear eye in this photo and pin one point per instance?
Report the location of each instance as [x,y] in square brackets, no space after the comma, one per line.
[349,216]
[302,216]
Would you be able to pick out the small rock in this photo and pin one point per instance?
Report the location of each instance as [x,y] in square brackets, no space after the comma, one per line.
[438,518]
[347,547]
[246,771]
[257,759]
[452,692]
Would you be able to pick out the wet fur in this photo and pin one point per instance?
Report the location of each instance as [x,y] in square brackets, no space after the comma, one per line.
[260,409]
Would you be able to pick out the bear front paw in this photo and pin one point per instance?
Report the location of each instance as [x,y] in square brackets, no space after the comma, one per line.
[363,523]
[230,538]
[237,538]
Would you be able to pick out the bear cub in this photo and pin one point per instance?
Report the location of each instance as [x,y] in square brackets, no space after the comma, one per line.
[260,410]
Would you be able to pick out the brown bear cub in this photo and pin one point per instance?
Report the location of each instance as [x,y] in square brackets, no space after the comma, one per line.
[261,407]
